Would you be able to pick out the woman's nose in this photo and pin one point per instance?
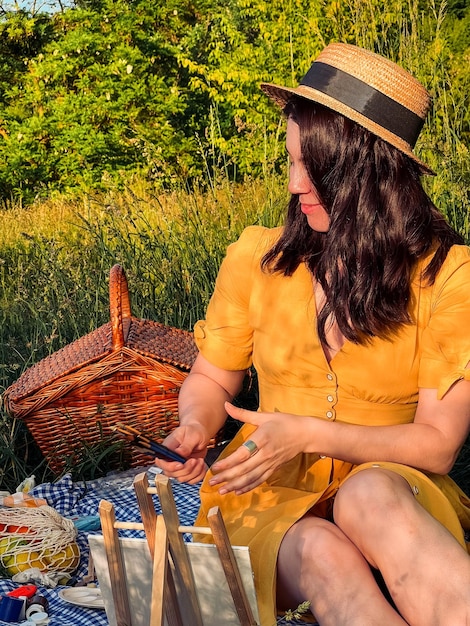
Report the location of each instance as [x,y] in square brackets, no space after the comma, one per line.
[299,182]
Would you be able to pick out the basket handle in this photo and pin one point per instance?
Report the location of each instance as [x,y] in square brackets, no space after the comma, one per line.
[119,304]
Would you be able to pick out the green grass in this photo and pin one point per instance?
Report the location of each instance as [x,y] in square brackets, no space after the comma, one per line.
[54,268]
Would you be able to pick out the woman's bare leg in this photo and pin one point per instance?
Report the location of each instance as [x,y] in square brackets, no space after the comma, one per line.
[426,570]
[318,563]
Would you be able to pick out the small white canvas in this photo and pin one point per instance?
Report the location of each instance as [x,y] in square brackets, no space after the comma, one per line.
[214,596]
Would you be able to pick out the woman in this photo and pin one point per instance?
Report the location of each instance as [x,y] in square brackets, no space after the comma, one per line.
[355,315]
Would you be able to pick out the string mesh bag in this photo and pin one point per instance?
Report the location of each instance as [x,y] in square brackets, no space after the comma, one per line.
[37,538]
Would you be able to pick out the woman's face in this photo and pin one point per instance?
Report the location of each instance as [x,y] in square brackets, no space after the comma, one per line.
[300,183]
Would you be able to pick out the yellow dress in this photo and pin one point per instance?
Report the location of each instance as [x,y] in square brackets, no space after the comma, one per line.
[269,321]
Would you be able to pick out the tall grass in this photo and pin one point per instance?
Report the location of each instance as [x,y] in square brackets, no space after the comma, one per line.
[55,259]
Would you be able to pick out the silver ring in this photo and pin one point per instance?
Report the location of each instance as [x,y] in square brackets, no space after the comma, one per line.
[251,446]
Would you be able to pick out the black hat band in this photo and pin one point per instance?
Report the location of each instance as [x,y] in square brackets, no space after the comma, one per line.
[364,99]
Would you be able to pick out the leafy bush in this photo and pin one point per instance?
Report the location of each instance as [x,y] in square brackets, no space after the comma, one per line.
[107,89]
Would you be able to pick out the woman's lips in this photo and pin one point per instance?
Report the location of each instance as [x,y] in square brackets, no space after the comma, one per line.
[308,209]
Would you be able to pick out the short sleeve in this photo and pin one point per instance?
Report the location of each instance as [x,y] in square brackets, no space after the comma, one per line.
[445,343]
[225,337]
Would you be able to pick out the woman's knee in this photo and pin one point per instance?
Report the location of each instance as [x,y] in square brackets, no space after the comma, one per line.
[315,559]
[312,540]
[371,494]
[310,557]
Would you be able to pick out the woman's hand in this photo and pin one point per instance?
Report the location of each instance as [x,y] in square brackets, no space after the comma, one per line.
[190,441]
[201,414]
[278,439]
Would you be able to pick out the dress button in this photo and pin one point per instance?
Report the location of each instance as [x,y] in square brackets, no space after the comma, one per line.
[330,398]
[329,376]
[329,414]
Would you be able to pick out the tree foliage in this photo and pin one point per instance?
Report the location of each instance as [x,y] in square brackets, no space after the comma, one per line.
[108,88]
[100,92]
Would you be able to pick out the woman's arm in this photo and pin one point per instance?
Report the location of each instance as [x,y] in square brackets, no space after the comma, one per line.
[203,394]
[201,415]
[430,443]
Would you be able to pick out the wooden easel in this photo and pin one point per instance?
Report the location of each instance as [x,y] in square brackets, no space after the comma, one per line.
[171,565]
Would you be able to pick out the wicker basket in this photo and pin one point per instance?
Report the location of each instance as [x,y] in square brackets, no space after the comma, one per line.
[128,370]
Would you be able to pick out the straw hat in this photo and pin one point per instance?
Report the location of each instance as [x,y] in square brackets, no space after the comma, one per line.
[368,89]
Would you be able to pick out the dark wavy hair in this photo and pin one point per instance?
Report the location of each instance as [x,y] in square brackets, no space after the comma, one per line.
[381,223]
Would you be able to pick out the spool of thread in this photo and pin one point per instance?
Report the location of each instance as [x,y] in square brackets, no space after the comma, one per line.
[10,609]
[36,604]
[39,618]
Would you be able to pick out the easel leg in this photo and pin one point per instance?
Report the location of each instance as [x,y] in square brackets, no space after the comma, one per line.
[230,567]
[178,552]
[151,527]
[115,564]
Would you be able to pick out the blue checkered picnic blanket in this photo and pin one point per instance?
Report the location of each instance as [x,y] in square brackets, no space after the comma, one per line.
[78,501]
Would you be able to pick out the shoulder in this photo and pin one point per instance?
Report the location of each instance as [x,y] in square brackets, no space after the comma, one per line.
[457,256]
[242,263]
[445,341]
[457,262]
[260,236]
[456,267]
[254,242]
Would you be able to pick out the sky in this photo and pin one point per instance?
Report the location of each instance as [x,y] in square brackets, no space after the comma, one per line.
[35,6]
